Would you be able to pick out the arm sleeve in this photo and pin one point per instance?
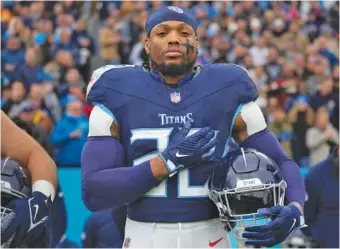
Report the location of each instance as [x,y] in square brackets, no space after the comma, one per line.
[106,182]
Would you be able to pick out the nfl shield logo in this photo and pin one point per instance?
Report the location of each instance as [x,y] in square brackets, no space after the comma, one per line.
[175,97]
[127,243]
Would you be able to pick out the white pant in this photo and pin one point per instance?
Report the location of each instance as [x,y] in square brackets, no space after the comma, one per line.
[200,234]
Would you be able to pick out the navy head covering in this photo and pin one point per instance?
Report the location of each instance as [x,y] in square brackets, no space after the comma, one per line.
[170,13]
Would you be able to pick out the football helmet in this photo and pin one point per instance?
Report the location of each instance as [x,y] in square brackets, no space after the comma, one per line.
[244,181]
[15,184]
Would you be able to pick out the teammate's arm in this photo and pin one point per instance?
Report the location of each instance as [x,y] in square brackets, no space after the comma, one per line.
[18,145]
[25,228]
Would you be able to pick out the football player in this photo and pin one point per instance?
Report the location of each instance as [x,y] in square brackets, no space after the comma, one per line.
[29,224]
[156,132]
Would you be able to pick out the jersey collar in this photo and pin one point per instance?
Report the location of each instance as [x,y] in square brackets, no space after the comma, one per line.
[189,76]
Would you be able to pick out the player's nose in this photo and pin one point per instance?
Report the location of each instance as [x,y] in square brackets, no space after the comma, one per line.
[173,38]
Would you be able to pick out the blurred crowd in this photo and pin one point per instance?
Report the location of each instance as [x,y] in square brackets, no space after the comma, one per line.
[289,48]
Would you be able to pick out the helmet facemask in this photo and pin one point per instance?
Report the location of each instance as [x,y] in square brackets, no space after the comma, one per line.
[7,195]
[238,206]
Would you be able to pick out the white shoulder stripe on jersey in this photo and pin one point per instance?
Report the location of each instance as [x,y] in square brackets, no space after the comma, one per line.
[99,72]
[253,117]
[100,121]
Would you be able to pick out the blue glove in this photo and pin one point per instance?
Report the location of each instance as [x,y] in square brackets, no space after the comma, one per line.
[284,220]
[183,152]
[30,222]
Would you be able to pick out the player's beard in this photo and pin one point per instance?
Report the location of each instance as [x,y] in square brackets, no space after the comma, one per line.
[173,69]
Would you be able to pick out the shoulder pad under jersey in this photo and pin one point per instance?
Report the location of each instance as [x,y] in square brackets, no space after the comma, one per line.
[233,74]
[97,84]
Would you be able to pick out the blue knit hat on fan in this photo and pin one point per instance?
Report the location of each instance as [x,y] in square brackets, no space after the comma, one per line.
[170,13]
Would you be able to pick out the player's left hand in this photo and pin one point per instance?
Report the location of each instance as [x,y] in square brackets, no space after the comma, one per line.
[30,222]
[284,220]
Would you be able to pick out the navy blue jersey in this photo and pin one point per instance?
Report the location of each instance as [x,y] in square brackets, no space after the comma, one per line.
[147,112]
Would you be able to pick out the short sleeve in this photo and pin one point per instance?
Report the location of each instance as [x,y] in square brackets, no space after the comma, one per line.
[96,88]
[248,91]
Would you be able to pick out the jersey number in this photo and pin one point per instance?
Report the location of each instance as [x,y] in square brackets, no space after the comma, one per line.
[161,135]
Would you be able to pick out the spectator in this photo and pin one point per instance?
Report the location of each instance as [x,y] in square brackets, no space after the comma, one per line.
[43,39]
[17,95]
[330,39]
[25,121]
[273,67]
[12,58]
[5,95]
[30,72]
[85,44]
[321,137]
[17,28]
[324,51]
[273,104]
[260,77]
[69,135]
[299,61]
[294,35]
[301,117]
[318,67]
[282,129]
[137,56]
[327,98]
[256,28]
[42,112]
[57,68]
[109,41]
[65,44]
[73,80]
[322,201]
[259,52]
[64,24]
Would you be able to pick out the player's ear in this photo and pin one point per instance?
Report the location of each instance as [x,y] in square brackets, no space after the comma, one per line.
[147,45]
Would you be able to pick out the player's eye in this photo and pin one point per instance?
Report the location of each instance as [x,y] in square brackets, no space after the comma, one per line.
[162,34]
[184,33]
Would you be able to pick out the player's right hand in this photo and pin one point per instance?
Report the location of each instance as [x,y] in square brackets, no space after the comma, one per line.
[186,151]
